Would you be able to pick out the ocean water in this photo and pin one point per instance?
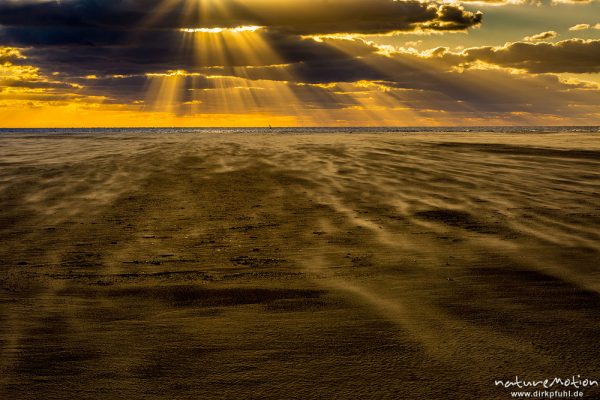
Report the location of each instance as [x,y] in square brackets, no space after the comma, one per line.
[307,130]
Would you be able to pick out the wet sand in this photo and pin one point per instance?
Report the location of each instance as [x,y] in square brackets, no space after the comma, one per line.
[316,266]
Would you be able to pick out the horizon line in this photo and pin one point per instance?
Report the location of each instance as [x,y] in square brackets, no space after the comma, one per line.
[310,127]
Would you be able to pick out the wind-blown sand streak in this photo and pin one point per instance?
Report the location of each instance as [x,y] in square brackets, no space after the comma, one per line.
[296,266]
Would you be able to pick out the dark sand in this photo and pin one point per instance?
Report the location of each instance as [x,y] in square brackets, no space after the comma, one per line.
[400,266]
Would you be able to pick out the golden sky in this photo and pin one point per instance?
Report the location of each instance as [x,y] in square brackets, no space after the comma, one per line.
[85,63]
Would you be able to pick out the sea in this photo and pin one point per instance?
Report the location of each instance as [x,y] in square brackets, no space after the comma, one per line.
[301,130]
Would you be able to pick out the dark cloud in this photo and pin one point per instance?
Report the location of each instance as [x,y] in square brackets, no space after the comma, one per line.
[108,49]
[134,37]
[9,54]
[430,82]
[411,79]
[35,84]
[298,17]
[116,89]
[155,51]
[573,55]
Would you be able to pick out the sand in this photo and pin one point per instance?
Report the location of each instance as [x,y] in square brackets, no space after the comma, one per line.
[309,266]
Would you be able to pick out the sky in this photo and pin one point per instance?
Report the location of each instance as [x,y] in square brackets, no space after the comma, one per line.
[214,63]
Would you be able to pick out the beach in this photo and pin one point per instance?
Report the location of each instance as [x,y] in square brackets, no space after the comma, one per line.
[332,265]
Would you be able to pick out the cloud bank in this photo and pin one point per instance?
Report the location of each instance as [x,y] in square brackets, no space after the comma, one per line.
[309,57]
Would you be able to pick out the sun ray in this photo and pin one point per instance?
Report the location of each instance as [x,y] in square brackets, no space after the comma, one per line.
[165,91]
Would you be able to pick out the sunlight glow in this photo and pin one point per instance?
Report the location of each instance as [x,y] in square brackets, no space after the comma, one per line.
[237,29]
